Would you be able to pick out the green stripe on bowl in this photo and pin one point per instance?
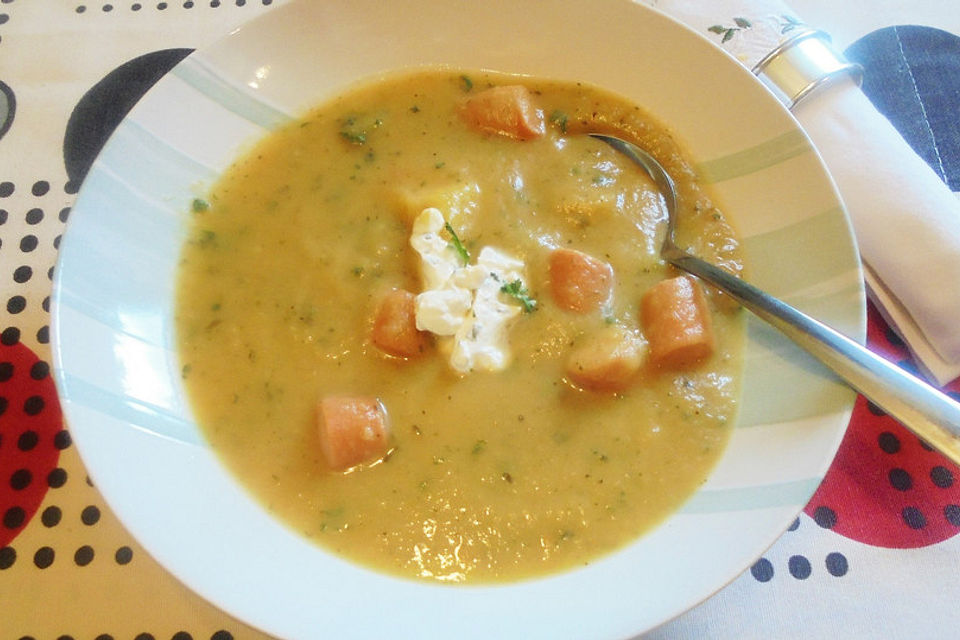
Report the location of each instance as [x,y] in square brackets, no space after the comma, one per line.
[802,254]
[141,415]
[795,492]
[784,383]
[160,173]
[231,97]
[781,381]
[756,158]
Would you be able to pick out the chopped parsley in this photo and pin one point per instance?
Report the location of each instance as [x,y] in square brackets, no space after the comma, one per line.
[199,205]
[205,238]
[517,291]
[355,132]
[456,244]
[354,137]
[559,118]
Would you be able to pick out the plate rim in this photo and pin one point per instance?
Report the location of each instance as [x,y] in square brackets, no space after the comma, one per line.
[70,409]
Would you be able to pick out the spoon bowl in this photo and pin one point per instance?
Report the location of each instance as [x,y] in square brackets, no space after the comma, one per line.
[926,411]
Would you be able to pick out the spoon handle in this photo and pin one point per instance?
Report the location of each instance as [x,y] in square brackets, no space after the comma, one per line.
[927,412]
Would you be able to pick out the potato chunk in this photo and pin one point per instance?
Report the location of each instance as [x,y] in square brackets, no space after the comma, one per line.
[456,201]
[608,360]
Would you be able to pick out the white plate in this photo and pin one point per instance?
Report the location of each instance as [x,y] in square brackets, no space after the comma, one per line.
[119,377]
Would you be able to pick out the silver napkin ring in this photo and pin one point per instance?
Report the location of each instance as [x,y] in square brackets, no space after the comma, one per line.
[803,63]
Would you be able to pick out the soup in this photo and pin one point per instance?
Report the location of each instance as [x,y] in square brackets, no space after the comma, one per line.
[534,429]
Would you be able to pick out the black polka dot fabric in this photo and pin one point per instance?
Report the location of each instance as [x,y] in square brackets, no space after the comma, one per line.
[797,566]
[109,7]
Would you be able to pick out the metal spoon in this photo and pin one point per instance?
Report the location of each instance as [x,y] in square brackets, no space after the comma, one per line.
[927,412]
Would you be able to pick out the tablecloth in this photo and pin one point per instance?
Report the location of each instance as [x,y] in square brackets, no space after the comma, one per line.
[874,554]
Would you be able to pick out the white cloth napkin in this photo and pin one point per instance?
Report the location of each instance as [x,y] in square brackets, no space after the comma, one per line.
[906,220]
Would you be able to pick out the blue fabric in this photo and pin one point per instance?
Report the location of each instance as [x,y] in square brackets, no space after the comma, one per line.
[912,76]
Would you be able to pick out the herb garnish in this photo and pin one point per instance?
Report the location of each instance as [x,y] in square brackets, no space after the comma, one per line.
[356,133]
[456,244]
[517,291]
[354,137]
[205,238]
[559,118]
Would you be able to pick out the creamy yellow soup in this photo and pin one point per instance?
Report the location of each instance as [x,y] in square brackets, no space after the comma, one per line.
[490,475]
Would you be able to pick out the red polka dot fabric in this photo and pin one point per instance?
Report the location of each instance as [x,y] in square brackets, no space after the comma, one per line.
[887,487]
[31,437]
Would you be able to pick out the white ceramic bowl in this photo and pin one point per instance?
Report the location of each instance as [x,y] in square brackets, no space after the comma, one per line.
[117,368]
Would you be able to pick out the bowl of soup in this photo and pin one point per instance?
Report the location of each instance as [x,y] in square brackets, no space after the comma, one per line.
[360,332]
